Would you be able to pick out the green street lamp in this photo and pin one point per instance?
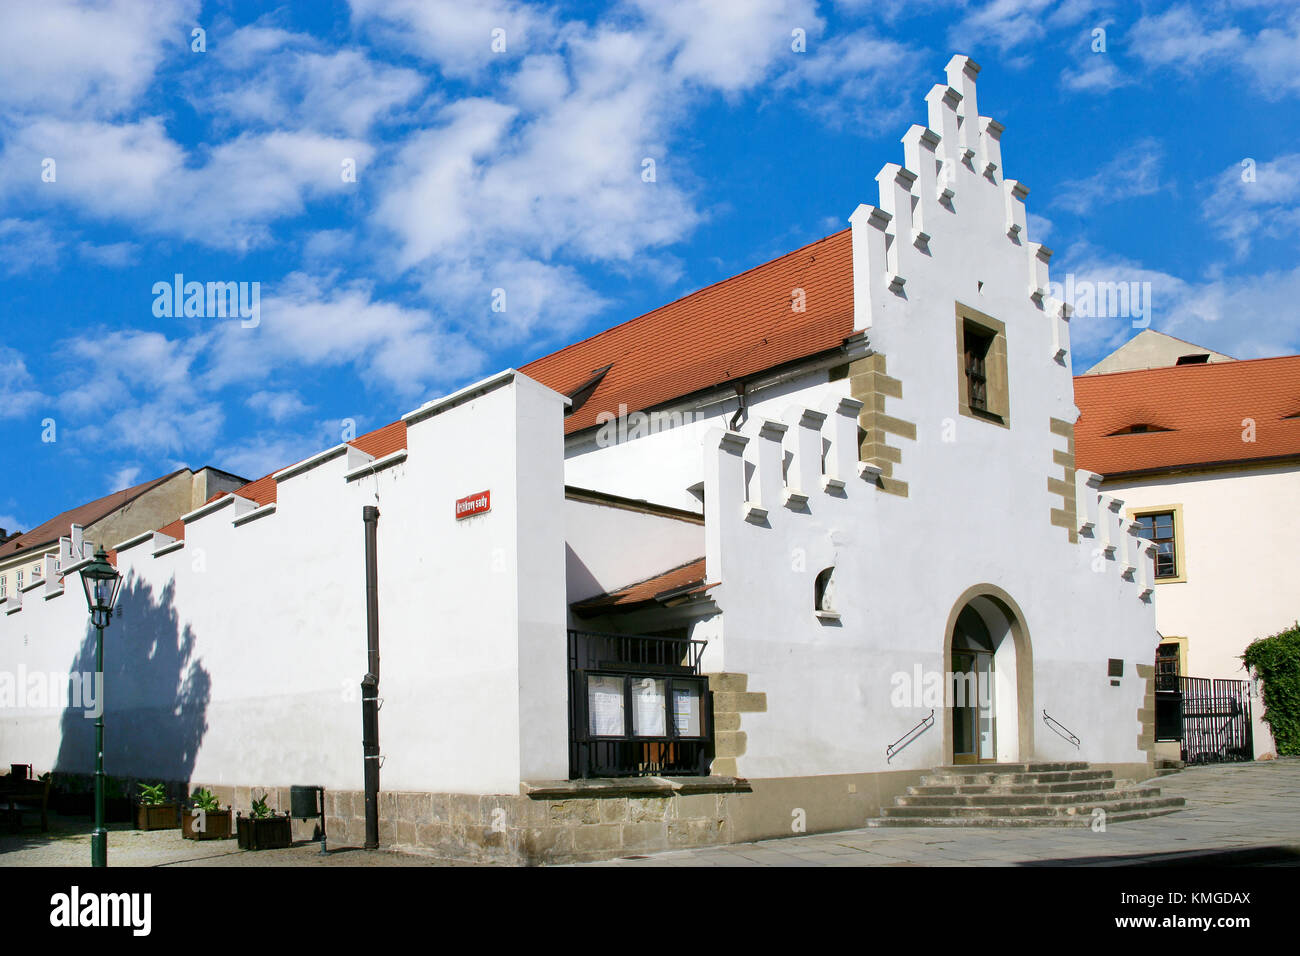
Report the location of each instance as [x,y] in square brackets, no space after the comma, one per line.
[101,581]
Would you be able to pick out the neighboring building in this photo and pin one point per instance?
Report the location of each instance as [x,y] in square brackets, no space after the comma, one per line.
[1207,460]
[1152,349]
[742,548]
[106,521]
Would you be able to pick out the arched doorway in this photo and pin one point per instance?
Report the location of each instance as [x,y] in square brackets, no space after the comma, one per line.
[989,692]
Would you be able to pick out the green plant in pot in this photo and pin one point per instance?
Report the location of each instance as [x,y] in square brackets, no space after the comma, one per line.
[263,829]
[205,820]
[155,811]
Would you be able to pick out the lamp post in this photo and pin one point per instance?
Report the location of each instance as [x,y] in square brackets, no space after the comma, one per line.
[101,581]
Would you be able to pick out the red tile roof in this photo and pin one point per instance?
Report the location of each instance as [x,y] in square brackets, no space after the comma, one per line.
[723,332]
[687,576]
[1204,408]
[85,515]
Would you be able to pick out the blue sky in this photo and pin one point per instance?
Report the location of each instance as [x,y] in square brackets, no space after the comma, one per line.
[522,169]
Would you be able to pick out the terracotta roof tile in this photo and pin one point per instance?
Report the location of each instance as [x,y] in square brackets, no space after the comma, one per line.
[1203,406]
[674,579]
[723,332]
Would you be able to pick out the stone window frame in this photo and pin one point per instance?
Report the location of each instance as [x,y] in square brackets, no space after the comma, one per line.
[998,391]
[1180,542]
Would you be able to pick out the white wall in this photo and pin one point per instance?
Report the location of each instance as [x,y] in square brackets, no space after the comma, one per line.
[259,630]
[609,547]
[977,511]
[1240,528]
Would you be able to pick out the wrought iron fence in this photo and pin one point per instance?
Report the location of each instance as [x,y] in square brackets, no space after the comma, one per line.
[638,706]
[1216,720]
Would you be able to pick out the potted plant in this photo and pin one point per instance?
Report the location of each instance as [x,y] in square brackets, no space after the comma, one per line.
[155,811]
[262,829]
[205,820]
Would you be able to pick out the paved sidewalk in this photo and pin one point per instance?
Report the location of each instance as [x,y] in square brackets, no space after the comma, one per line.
[1228,806]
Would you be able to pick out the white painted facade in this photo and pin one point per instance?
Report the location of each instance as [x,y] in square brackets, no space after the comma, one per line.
[1226,601]
[261,611]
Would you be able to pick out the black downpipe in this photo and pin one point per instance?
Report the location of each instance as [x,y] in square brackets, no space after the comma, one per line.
[370,683]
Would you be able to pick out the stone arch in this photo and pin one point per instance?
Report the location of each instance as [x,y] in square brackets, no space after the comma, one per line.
[991,602]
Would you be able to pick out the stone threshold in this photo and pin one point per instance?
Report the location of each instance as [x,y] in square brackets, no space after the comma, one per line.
[632,787]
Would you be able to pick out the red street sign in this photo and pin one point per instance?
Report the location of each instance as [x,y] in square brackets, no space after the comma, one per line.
[475,504]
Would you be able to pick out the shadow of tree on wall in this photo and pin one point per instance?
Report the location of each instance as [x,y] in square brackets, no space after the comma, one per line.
[155,693]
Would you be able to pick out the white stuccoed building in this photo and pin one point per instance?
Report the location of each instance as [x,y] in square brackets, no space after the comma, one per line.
[699,578]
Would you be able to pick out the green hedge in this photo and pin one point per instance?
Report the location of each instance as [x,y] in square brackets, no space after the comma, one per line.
[1276,660]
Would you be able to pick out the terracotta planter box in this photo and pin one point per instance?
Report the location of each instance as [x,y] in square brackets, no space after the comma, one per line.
[217,825]
[268,833]
[163,816]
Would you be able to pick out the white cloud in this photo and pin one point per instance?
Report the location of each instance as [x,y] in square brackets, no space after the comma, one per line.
[134,172]
[1132,172]
[1005,24]
[277,406]
[124,477]
[308,322]
[1179,38]
[1186,41]
[1097,73]
[87,59]
[283,80]
[728,45]
[17,396]
[115,255]
[858,79]
[1246,316]
[28,247]
[1267,206]
[263,454]
[457,36]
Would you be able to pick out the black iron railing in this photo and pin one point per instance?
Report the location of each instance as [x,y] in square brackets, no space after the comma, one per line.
[1060,729]
[638,706]
[925,724]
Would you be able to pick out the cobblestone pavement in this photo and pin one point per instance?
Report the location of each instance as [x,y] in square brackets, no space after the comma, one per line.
[1228,806]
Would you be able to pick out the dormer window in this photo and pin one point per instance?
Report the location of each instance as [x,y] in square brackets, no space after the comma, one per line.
[1140,428]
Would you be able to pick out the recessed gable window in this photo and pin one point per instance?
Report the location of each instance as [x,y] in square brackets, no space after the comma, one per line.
[982,381]
[1199,358]
[824,591]
[1140,428]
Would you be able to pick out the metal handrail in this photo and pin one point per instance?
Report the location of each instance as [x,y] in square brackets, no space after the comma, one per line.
[1068,734]
[926,723]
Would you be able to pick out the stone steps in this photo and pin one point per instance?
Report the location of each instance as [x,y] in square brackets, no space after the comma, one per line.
[1068,786]
[1078,820]
[1020,795]
[1069,798]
